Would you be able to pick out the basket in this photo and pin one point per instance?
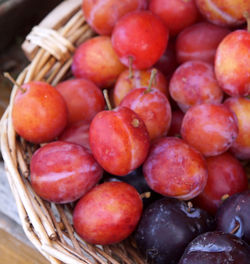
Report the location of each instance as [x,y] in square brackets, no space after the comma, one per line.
[49,226]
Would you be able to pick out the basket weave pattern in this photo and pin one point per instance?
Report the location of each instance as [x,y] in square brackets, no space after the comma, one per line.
[47,225]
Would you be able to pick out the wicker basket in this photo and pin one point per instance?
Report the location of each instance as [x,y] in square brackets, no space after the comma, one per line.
[47,225]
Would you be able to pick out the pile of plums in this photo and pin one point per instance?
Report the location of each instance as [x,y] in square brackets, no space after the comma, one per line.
[151,136]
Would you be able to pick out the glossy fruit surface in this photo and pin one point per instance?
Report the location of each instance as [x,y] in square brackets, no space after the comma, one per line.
[175,127]
[173,168]
[234,214]
[154,109]
[77,133]
[62,172]
[97,61]
[241,107]
[226,176]
[207,38]
[139,79]
[83,98]
[119,140]
[224,12]
[102,15]
[140,38]
[169,218]
[210,128]
[176,14]
[39,112]
[108,213]
[216,248]
[232,63]
[194,83]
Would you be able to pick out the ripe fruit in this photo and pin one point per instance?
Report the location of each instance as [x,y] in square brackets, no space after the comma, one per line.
[119,140]
[39,112]
[97,61]
[176,14]
[175,169]
[210,128]
[77,133]
[108,213]
[175,127]
[139,38]
[234,214]
[169,218]
[153,108]
[62,172]
[232,63]
[216,247]
[207,38]
[241,107]
[139,79]
[83,98]
[224,13]
[194,83]
[102,15]
[226,176]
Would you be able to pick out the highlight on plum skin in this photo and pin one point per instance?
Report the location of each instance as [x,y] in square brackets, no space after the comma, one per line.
[210,128]
[62,172]
[241,107]
[140,38]
[207,38]
[108,213]
[224,13]
[194,83]
[102,15]
[226,176]
[139,79]
[175,169]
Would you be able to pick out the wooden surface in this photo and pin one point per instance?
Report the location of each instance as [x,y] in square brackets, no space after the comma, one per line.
[16,252]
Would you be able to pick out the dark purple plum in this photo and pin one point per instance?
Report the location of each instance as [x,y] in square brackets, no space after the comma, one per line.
[166,228]
[137,180]
[233,216]
[216,248]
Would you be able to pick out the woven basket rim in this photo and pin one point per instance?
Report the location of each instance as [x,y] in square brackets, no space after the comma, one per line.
[48,226]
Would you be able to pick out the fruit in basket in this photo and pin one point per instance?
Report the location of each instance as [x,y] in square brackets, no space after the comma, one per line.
[173,168]
[83,98]
[194,83]
[167,226]
[207,38]
[226,176]
[102,15]
[77,133]
[241,107]
[137,180]
[210,128]
[232,63]
[224,12]
[62,172]
[137,79]
[119,140]
[97,61]
[234,214]
[153,107]
[108,213]
[176,14]
[39,112]
[139,38]
[216,247]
